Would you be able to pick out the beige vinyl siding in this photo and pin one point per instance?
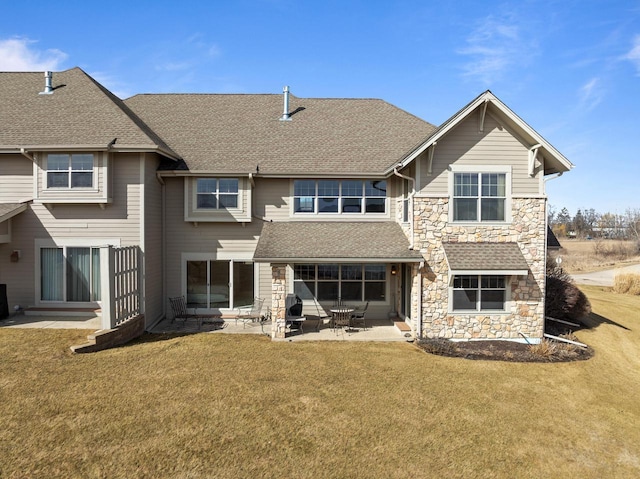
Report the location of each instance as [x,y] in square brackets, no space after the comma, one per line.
[234,240]
[465,145]
[271,199]
[119,220]
[152,244]
[16,179]
[264,290]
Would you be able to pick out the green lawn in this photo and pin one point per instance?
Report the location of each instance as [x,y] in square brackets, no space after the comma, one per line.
[227,406]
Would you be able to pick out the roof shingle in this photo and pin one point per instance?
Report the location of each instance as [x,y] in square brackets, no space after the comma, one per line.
[237,133]
[79,112]
[334,241]
[485,257]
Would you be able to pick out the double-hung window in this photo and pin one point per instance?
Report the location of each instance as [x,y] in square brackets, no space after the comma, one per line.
[217,193]
[479,293]
[339,196]
[70,170]
[479,196]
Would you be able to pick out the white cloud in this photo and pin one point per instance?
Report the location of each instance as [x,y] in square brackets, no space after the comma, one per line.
[495,46]
[18,54]
[591,94]
[634,54]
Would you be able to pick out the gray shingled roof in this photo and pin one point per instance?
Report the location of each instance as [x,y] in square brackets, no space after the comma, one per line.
[334,241]
[236,133]
[8,210]
[485,257]
[79,112]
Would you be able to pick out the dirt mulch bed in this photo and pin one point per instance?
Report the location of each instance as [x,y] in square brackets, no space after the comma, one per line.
[547,352]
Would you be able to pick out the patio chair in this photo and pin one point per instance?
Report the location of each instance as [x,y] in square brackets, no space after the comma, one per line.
[322,314]
[358,316]
[250,313]
[341,320]
[179,307]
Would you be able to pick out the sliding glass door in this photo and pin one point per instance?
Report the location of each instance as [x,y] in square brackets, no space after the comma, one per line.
[219,284]
[70,274]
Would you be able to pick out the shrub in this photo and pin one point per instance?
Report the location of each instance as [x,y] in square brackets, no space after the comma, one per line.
[627,284]
[544,349]
[563,299]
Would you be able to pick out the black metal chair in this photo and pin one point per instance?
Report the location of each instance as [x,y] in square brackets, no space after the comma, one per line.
[179,307]
[358,317]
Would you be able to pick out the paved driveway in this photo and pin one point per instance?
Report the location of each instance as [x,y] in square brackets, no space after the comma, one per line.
[604,278]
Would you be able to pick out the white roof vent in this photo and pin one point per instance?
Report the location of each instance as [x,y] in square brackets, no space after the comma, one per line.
[48,80]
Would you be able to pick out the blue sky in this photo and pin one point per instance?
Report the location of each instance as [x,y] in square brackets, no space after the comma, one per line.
[571,69]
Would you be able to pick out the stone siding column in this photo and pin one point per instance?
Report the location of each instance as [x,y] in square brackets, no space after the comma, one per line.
[278,297]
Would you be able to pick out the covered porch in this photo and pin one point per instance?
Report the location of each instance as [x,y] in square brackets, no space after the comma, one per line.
[364,265]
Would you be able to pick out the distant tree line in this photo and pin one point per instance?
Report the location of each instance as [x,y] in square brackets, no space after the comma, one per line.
[588,223]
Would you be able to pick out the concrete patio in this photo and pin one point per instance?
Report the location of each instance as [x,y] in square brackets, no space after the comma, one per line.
[313,328]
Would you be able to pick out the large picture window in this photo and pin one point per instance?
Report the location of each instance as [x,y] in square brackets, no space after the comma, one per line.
[70,170]
[350,282]
[217,193]
[339,196]
[70,274]
[479,293]
[479,196]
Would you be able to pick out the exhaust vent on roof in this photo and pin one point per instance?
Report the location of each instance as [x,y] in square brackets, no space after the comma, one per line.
[286,116]
[48,80]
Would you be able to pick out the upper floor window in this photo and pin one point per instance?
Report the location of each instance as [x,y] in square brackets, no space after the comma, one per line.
[479,196]
[217,193]
[70,170]
[339,196]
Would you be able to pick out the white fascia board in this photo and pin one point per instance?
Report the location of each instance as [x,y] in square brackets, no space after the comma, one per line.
[338,260]
[492,272]
[446,127]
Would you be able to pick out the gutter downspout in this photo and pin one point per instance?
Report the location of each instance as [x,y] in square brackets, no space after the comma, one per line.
[410,198]
[163,241]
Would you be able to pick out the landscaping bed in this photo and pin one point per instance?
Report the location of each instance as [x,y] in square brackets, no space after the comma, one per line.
[545,352]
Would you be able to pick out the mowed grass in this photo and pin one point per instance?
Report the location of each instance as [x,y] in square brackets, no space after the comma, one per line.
[228,406]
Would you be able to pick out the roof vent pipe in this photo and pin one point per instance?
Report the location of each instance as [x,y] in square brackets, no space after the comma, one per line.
[48,88]
[285,112]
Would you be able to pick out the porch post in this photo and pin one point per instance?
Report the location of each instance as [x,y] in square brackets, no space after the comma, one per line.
[107,286]
[278,297]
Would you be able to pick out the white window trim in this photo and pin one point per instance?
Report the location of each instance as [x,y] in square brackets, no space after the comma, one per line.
[339,215]
[219,256]
[387,280]
[241,214]
[70,172]
[474,312]
[99,193]
[66,243]
[453,169]
[217,195]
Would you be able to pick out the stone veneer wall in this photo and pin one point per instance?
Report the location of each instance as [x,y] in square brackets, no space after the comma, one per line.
[525,306]
[278,300]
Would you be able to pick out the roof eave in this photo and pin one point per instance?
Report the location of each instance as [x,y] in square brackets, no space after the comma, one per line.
[416,259]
